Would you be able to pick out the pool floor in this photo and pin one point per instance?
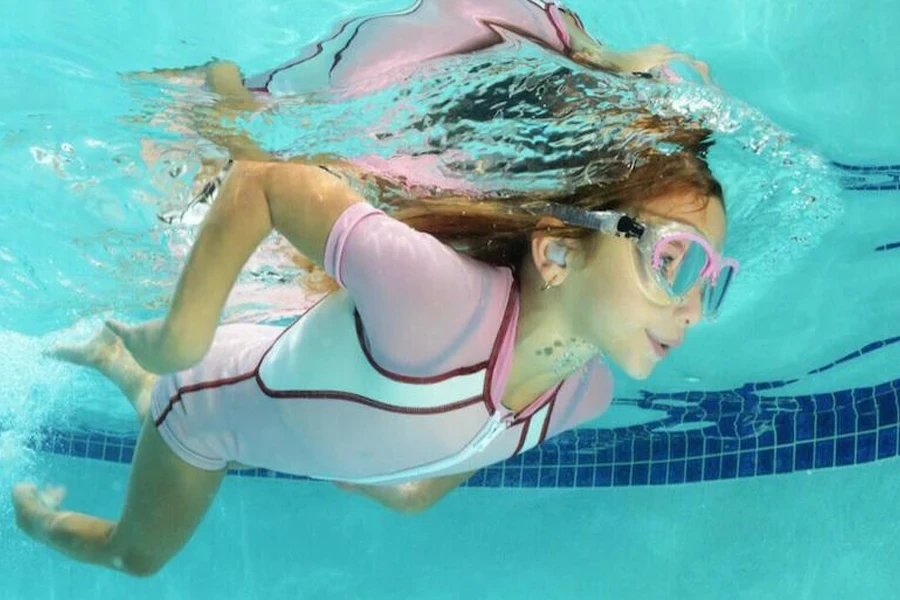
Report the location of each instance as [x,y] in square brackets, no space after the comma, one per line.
[825,534]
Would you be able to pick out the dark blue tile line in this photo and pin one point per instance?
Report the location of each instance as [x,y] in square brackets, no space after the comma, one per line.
[566,462]
[722,435]
[864,350]
[865,168]
[855,186]
[746,436]
[887,247]
[870,177]
[734,433]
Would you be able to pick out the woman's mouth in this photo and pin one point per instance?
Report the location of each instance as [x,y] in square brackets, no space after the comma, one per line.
[661,348]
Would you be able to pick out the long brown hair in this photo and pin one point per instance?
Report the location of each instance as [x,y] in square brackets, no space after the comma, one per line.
[496,228]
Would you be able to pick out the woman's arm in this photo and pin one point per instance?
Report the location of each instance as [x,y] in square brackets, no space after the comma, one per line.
[409,498]
[300,201]
[235,225]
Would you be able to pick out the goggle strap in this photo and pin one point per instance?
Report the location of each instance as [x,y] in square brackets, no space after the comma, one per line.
[609,222]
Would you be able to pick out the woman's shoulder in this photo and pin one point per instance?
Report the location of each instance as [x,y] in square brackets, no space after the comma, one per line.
[424,306]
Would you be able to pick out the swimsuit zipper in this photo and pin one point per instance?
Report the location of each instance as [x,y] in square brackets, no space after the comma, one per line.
[497,424]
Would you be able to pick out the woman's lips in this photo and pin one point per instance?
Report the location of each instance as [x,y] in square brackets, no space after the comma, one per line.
[661,347]
[658,348]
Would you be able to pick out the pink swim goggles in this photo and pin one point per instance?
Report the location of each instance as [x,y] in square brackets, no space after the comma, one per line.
[673,256]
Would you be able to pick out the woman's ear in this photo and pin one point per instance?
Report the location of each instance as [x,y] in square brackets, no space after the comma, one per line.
[556,252]
[552,255]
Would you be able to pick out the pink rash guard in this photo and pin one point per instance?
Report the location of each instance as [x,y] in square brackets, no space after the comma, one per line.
[397,376]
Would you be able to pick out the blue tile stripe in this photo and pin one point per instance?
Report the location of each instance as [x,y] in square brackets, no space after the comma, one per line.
[892,246]
[729,434]
[866,168]
[872,178]
[864,350]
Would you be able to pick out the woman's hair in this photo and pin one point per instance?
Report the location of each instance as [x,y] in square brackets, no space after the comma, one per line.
[498,230]
[668,158]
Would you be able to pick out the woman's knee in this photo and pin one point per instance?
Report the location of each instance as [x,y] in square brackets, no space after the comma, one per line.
[248,169]
[140,564]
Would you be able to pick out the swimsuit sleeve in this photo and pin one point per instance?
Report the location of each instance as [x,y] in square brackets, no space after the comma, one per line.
[421,302]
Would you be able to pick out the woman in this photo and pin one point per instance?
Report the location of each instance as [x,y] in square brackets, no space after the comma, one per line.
[467,330]
[426,366]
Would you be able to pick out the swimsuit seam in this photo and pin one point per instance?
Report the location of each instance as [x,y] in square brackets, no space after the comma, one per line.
[178,396]
[359,399]
[525,426]
[426,379]
[546,428]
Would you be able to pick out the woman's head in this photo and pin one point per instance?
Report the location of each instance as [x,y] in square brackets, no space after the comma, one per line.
[594,286]
[605,287]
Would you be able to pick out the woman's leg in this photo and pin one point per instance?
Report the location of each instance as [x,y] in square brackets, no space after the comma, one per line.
[106,353]
[165,502]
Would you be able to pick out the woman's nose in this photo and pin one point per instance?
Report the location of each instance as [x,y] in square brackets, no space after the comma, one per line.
[690,312]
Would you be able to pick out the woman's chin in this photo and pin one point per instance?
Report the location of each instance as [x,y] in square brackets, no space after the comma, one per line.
[638,367]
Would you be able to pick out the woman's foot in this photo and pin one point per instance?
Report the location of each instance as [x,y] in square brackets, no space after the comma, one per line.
[35,508]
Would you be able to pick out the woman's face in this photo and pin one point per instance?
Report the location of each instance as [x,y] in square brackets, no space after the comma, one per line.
[610,296]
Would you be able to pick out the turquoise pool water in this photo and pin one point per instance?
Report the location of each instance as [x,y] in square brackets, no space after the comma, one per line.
[800,377]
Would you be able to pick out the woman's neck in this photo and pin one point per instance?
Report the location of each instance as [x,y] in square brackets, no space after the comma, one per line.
[546,348]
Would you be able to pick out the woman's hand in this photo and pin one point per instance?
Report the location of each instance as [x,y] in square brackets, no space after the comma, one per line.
[155,348]
[654,59]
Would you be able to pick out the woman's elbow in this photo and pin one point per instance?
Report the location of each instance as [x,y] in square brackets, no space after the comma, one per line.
[415,507]
[415,499]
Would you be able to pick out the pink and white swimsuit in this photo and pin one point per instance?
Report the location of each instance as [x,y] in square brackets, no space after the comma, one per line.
[397,376]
